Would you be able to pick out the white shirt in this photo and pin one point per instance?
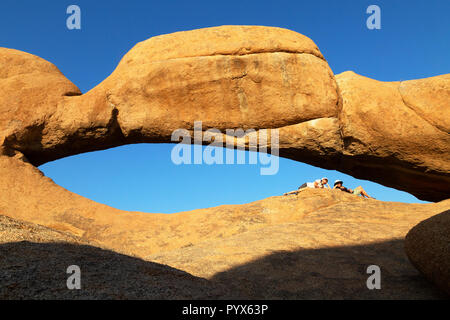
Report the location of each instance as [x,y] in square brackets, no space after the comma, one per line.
[311,184]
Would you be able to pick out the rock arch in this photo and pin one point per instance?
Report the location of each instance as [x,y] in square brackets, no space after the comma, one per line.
[393,133]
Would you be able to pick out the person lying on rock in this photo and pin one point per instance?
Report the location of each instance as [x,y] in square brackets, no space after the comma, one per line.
[339,184]
[317,184]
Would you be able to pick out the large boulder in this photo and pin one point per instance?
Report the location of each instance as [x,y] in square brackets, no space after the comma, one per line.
[31,89]
[405,145]
[227,77]
[42,112]
[428,248]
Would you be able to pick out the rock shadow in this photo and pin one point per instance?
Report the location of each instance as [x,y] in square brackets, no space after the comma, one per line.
[31,270]
[330,273]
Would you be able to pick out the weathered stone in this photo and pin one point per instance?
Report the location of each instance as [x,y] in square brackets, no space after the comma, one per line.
[428,248]
[236,77]
[387,141]
[229,77]
[34,260]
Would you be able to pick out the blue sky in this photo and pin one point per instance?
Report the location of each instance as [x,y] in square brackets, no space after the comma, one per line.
[414,42]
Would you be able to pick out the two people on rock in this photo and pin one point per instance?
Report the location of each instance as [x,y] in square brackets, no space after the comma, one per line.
[338,184]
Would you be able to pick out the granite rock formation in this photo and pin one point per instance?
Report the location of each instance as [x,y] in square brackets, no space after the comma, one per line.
[394,133]
[231,77]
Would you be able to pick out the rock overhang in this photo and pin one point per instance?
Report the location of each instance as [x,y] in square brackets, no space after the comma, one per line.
[236,77]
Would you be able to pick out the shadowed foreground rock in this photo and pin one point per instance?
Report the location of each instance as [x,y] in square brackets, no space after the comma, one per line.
[34,260]
[322,254]
[428,247]
[330,273]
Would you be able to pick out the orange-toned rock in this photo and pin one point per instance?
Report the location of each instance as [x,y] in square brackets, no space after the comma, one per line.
[314,245]
[227,77]
[428,247]
[33,261]
[429,98]
[30,91]
[236,77]
[230,77]
[388,141]
[43,114]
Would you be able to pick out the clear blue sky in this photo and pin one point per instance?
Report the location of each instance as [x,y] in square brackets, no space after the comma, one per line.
[414,42]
